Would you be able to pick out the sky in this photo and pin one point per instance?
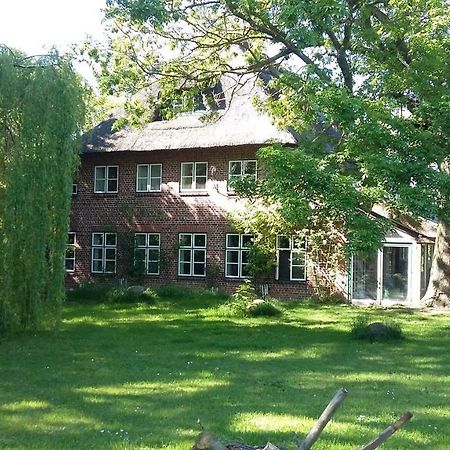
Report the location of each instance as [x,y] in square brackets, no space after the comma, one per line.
[34,26]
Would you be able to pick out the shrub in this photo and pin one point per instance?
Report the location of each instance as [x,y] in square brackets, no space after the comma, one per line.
[175,292]
[375,331]
[149,296]
[122,295]
[90,292]
[262,308]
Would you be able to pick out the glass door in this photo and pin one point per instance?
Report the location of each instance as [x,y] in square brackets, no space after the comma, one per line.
[395,272]
[365,277]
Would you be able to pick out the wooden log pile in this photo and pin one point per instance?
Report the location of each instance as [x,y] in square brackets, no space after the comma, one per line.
[207,441]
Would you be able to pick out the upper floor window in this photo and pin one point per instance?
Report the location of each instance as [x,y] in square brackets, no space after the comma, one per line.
[148,177]
[106,179]
[147,252]
[74,189]
[237,170]
[104,252]
[192,254]
[236,257]
[291,255]
[194,176]
[70,252]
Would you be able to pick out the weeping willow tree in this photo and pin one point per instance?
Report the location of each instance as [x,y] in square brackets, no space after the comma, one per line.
[41,117]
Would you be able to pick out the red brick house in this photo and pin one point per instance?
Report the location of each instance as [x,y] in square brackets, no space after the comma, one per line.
[159,196]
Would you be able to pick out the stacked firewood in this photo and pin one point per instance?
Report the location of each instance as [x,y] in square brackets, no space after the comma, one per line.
[207,441]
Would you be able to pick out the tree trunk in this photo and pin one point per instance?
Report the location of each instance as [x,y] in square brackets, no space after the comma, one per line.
[438,291]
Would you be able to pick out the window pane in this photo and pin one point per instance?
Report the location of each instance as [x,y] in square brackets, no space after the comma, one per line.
[232,270]
[155,184]
[199,269]
[110,266]
[244,270]
[246,240]
[142,184]
[233,240]
[142,171]
[70,265]
[112,172]
[185,268]
[100,185]
[97,253]
[249,168]
[244,257]
[153,240]
[110,239]
[200,183]
[139,256]
[235,168]
[298,259]
[110,253]
[298,273]
[155,171]
[70,252]
[201,169]
[100,173]
[187,169]
[153,255]
[186,182]
[153,268]
[284,242]
[97,266]
[112,185]
[71,239]
[140,239]
[199,240]
[185,255]
[232,256]
[97,239]
[199,255]
[185,240]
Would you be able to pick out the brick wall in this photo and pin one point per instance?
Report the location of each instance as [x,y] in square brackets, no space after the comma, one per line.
[168,212]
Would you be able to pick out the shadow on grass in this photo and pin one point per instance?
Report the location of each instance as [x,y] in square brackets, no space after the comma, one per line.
[130,377]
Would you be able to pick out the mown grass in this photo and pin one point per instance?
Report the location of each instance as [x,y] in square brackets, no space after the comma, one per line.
[139,377]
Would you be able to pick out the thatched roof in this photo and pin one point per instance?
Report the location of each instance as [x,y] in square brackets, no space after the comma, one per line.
[239,124]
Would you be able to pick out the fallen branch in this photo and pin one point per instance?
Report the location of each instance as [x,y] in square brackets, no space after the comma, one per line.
[388,432]
[323,419]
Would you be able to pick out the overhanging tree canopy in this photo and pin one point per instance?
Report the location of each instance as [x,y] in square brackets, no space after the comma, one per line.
[41,118]
[375,71]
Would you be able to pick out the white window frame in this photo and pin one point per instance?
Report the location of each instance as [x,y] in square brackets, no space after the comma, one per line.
[149,177]
[194,176]
[74,188]
[243,163]
[74,248]
[240,249]
[147,247]
[293,249]
[192,247]
[107,179]
[104,247]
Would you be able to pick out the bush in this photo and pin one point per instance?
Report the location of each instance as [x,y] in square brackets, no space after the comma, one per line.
[149,296]
[89,292]
[245,303]
[122,295]
[175,292]
[375,331]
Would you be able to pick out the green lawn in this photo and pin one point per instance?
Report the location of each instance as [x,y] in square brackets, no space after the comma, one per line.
[139,376]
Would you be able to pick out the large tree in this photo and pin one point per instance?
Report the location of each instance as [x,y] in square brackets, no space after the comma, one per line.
[364,84]
[41,117]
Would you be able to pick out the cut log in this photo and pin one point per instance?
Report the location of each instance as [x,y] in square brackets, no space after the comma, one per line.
[388,432]
[323,419]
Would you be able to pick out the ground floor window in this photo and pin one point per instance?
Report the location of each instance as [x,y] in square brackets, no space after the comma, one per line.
[291,258]
[192,254]
[104,252]
[147,253]
[70,252]
[236,255]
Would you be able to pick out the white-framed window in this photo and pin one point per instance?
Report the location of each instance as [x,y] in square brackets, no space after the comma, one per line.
[192,255]
[74,189]
[104,252]
[237,170]
[106,179]
[194,176]
[70,252]
[291,258]
[236,255]
[148,177]
[147,252]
